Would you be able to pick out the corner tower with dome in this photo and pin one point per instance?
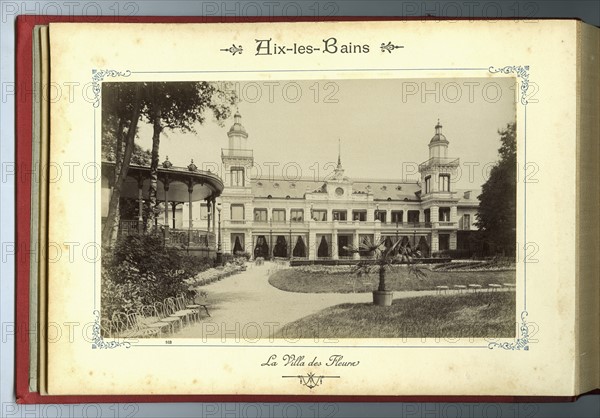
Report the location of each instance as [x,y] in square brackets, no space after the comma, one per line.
[307,219]
[237,162]
[439,200]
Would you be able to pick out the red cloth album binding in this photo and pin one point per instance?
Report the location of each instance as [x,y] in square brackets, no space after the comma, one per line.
[24,80]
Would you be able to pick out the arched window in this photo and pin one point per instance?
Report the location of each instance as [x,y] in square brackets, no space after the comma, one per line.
[300,248]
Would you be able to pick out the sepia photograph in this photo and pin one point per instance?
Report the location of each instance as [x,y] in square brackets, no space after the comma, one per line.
[309,209]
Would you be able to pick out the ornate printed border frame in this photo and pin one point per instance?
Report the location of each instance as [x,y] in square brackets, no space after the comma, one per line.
[98,342]
[98,77]
[522,341]
[522,72]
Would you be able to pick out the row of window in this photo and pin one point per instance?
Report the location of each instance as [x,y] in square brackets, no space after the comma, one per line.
[444,183]
[397,216]
[278,215]
[320,215]
[443,215]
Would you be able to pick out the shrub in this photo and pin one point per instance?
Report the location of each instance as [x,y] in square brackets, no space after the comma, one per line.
[194,265]
[140,271]
[454,254]
[493,264]
[227,258]
[240,261]
[323,269]
[243,254]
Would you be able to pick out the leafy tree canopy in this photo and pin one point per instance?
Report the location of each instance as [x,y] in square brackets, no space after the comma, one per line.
[110,127]
[184,104]
[496,217]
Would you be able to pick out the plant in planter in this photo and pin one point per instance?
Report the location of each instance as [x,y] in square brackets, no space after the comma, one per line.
[384,259]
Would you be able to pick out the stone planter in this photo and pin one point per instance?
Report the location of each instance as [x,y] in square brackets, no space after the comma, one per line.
[383,298]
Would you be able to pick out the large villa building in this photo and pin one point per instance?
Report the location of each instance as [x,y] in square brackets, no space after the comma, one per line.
[309,219]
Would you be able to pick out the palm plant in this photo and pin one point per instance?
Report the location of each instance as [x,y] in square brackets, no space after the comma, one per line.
[384,258]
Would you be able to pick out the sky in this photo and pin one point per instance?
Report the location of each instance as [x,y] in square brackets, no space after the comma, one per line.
[383,126]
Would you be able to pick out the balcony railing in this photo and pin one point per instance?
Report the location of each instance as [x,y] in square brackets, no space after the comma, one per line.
[406,225]
[240,153]
[198,238]
[446,224]
[128,227]
[439,161]
[191,238]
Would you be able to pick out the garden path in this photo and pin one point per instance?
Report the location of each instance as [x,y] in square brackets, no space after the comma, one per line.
[246,306]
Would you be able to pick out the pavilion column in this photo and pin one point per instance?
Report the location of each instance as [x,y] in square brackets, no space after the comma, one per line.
[190,190]
[208,214]
[214,218]
[173,207]
[140,206]
[166,187]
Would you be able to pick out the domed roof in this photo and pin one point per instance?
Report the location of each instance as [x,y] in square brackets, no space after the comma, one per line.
[237,127]
[438,137]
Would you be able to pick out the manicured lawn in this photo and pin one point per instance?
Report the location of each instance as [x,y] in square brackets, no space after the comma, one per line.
[302,281]
[475,315]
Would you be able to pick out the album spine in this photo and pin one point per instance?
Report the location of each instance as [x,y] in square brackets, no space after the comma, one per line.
[587,327]
[23,150]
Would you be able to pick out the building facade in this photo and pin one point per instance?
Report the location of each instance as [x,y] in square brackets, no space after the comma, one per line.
[309,219]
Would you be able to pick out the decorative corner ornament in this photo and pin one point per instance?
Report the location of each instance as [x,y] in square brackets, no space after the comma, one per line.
[522,72]
[97,340]
[389,47]
[98,76]
[311,381]
[521,343]
[233,49]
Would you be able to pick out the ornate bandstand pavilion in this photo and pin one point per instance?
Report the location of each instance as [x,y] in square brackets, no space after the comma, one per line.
[176,186]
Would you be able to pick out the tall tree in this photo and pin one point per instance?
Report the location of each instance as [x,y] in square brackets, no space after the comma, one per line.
[496,216]
[113,139]
[121,101]
[180,106]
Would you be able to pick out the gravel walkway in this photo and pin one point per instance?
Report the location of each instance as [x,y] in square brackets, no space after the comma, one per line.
[247,307]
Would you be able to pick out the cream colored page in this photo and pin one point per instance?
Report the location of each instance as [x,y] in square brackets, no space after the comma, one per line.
[409,367]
